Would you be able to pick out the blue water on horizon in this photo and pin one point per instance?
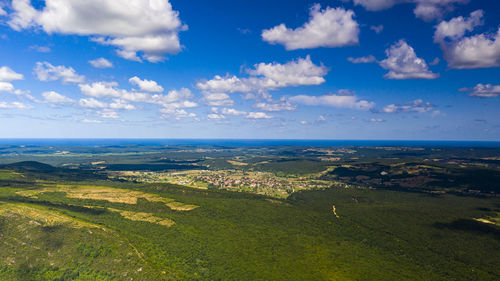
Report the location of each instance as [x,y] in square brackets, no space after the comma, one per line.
[242,142]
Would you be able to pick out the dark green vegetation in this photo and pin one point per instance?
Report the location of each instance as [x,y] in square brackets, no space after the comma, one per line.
[380,234]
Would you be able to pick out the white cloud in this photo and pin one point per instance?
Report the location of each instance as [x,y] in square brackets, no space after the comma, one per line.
[214,116]
[170,112]
[294,73]
[101,90]
[45,71]
[7,74]
[342,99]
[91,121]
[146,85]
[403,63]
[40,49]
[14,105]
[258,115]
[217,99]
[108,113]
[376,120]
[173,96]
[417,106]
[330,27]
[477,51]
[224,84]
[377,28]
[6,87]
[92,103]
[101,63]
[232,111]
[121,104]
[483,91]
[425,9]
[146,28]
[282,105]
[268,76]
[367,59]
[54,97]
[455,28]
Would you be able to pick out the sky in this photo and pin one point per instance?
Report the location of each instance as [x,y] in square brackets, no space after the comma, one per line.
[337,69]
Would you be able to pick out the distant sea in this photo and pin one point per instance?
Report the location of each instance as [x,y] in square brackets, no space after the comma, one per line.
[242,142]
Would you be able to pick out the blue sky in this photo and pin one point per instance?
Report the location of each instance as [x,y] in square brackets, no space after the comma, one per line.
[339,69]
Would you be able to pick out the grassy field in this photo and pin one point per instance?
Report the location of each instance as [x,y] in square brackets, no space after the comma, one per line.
[100,230]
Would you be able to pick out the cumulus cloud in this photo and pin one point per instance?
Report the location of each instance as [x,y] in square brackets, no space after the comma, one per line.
[258,115]
[376,120]
[6,87]
[425,9]
[294,73]
[377,28]
[147,29]
[121,104]
[455,28]
[101,63]
[146,85]
[483,91]
[403,63]
[367,59]
[214,116]
[418,106]
[267,76]
[14,105]
[330,27]
[461,52]
[45,72]
[54,97]
[92,103]
[108,113]
[7,74]
[217,99]
[282,105]
[343,99]
[232,111]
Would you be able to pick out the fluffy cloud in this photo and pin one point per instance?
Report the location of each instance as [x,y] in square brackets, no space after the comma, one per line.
[367,59]
[232,111]
[14,105]
[258,115]
[6,87]
[483,91]
[268,76]
[343,99]
[146,85]
[456,27]
[121,104]
[282,105]
[149,28]
[92,103]
[101,63]
[293,73]
[7,74]
[418,106]
[425,9]
[45,71]
[214,116]
[477,51]
[403,63]
[217,99]
[330,27]
[54,97]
